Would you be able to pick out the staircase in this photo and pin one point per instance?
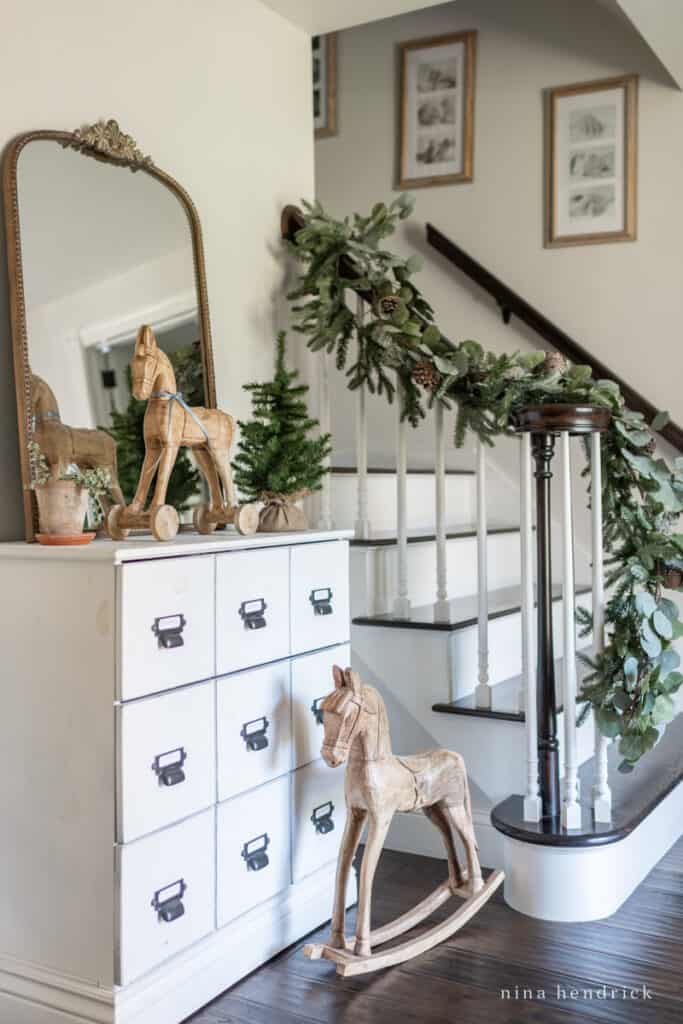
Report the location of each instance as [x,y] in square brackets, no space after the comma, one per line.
[447,621]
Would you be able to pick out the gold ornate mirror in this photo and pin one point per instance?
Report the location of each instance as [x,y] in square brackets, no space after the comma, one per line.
[94,251]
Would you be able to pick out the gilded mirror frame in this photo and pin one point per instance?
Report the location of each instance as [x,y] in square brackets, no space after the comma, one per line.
[106,142]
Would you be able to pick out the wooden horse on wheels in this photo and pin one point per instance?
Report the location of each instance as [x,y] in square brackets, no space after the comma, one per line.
[169,424]
[64,446]
[378,784]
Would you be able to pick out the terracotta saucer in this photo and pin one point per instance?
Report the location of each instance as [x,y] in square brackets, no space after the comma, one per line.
[62,539]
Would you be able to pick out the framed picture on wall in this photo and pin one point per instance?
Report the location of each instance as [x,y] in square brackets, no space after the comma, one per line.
[324,52]
[437,110]
[591,162]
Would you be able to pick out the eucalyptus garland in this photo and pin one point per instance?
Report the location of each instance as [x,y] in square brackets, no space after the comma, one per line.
[631,684]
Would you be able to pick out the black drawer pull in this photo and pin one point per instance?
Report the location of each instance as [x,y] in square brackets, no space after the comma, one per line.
[317,711]
[321,599]
[254,852]
[322,818]
[169,766]
[252,613]
[254,733]
[168,630]
[168,902]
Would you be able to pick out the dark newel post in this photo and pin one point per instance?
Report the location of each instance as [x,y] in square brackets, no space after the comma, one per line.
[543,448]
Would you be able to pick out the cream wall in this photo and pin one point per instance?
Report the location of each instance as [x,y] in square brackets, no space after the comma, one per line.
[623,301]
[218,93]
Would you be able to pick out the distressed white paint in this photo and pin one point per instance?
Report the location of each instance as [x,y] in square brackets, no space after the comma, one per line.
[532,797]
[482,693]
[571,811]
[602,796]
[441,606]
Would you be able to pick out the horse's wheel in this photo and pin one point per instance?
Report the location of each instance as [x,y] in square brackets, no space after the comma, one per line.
[202,523]
[112,525]
[164,522]
[246,519]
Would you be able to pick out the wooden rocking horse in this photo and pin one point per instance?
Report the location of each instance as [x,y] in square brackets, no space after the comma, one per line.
[169,424]
[378,784]
[64,446]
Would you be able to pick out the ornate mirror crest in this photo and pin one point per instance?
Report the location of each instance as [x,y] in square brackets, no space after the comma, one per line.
[104,141]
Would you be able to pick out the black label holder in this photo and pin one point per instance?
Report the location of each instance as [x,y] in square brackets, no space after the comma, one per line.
[168,901]
[322,818]
[254,733]
[168,630]
[169,766]
[254,852]
[321,599]
[253,613]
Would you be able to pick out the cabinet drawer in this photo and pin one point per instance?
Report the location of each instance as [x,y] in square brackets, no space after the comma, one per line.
[254,728]
[318,817]
[311,681]
[252,608]
[166,894]
[166,624]
[253,847]
[166,758]
[319,595]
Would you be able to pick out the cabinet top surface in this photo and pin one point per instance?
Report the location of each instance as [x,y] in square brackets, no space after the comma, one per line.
[145,547]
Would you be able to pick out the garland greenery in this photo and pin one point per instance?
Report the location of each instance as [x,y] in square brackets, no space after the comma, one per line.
[631,684]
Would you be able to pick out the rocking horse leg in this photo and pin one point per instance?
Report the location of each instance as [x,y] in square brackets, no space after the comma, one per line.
[225,472]
[353,829]
[438,816]
[208,467]
[377,831]
[149,467]
[462,823]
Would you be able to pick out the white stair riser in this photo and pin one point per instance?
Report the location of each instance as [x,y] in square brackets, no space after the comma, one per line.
[460,500]
[374,571]
[494,750]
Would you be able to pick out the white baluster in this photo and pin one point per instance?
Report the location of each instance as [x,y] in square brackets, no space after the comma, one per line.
[571,810]
[602,795]
[532,799]
[325,521]
[362,527]
[441,605]
[482,692]
[402,601]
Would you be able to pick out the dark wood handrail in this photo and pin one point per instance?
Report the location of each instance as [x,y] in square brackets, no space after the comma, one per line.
[512,304]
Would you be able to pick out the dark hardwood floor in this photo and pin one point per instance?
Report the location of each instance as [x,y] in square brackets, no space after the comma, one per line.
[502,967]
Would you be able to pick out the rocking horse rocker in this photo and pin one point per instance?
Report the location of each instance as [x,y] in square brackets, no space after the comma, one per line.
[377,784]
[169,423]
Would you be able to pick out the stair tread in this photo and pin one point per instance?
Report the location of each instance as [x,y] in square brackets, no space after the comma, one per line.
[504,696]
[391,471]
[634,797]
[423,534]
[463,610]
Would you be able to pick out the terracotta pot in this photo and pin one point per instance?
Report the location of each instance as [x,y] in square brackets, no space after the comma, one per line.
[62,506]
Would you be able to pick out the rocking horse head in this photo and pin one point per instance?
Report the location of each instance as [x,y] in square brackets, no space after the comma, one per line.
[353,714]
[147,363]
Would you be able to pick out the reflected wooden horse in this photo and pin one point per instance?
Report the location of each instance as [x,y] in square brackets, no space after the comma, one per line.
[377,785]
[169,424]
[64,446]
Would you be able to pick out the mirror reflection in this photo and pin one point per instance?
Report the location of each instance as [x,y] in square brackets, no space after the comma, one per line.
[104,250]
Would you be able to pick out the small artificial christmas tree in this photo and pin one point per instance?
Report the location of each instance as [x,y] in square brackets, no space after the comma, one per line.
[277,462]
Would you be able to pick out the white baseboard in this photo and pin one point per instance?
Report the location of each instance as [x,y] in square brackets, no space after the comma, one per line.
[30,994]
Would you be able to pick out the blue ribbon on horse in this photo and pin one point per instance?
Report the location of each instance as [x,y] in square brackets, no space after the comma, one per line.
[177,396]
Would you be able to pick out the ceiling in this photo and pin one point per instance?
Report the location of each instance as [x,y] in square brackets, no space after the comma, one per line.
[317,16]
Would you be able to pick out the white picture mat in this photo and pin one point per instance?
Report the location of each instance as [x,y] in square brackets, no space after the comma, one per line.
[414,131]
[572,193]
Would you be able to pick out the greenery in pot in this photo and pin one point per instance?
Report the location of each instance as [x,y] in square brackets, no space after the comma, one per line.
[400,347]
[95,482]
[277,462]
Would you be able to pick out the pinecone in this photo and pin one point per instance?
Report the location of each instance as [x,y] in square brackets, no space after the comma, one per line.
[554,362]
[672,575]
[426,375]
[388,304]
[651,447]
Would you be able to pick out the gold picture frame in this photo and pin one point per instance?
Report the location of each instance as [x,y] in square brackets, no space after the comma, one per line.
[591,162]
[324,61]
[437,110]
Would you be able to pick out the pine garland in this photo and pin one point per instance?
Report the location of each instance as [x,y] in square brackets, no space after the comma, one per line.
[275,455]
[632,682]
